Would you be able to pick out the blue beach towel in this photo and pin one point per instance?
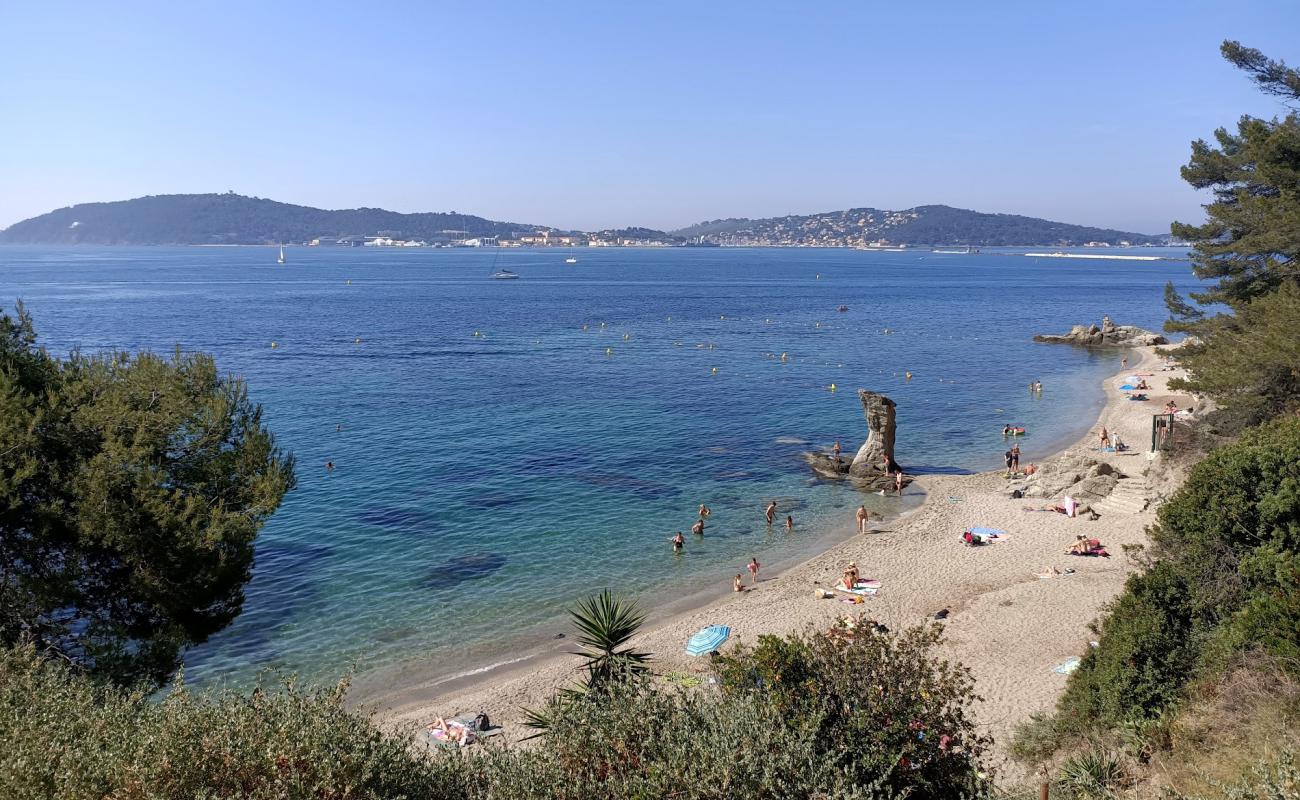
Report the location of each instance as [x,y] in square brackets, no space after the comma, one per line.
[1067,666]
[988,531]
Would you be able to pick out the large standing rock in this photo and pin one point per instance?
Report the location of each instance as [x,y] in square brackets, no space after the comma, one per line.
[867,469]
[881,427]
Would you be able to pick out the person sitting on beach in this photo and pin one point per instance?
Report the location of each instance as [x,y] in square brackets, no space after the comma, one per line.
[1031,469]
[1083,545]
[770,513]
[851,572]
[862,517]
[737,585]
[698,527]
[1142,384]
[678,541]
[1171,407]
[704,511]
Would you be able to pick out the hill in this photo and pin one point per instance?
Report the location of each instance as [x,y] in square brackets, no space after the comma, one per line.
[923,225]
[235,219]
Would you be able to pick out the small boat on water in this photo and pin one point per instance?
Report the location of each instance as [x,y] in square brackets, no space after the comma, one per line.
[571,261]
[280,260]
[505,275]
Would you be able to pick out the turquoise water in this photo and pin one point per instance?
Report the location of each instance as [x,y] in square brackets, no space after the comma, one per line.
[484,482]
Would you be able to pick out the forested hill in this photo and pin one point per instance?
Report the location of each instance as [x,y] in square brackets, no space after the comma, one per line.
[934,225]
[234,219]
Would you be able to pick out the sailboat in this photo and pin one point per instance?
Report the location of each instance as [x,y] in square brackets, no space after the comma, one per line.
[280,260]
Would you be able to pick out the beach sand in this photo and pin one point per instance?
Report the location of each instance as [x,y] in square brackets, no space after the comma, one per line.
[1005,623]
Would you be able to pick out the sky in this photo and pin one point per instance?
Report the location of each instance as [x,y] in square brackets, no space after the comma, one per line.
[609,114]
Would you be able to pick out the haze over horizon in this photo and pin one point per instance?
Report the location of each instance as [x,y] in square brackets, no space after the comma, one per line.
[594,117]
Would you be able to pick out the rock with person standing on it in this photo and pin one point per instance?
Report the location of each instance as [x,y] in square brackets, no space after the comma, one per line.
[1108,334]
[867,467]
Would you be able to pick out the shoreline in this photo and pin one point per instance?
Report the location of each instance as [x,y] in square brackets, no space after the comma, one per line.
[1005,623]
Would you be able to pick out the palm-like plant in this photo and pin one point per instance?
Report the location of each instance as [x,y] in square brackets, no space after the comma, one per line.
[606,623]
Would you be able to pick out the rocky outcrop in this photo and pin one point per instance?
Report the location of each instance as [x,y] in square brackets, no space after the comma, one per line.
[867,468]
[1072,474]
[1108,334]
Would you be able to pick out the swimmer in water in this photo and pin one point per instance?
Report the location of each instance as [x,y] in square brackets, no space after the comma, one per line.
[329,466]
[338,428]
[789,523]
[698,528]
[862,517]
[907,375]
[770,513]
[704,511]
[678,541]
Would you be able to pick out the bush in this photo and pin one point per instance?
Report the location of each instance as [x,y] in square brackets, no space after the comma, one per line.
[873,718]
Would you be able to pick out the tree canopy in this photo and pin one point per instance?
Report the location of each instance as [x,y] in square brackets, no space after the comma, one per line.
[1248,248]
[131,490]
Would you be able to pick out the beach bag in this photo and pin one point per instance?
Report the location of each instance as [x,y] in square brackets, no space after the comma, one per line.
[481,722]
[1017,494]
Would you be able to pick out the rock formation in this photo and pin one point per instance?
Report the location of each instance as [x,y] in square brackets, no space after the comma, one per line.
[867,467]
[1079,476]
[1107,335]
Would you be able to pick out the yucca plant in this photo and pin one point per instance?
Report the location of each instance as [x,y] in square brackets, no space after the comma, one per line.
[1093,774]
[606,623]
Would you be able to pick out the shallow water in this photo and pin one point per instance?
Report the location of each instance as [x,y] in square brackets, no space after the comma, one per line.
[485,481]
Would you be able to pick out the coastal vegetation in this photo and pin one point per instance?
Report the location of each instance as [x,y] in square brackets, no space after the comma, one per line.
[1194,683]
[131,489]
[808,715]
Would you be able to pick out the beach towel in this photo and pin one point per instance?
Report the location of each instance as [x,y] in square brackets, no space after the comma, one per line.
[1067,666]
[987,531]
[862,591]
[1128,387]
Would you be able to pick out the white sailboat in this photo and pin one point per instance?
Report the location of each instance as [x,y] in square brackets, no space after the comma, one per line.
[280,260]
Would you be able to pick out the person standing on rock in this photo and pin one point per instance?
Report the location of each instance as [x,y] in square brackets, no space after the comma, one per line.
[835,449]
[889,464]
[862,516]
[770,513]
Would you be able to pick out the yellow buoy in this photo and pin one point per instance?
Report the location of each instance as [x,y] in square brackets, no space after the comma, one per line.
[609,351]
[714,371]
[832,387]
[274,345]
[626,336]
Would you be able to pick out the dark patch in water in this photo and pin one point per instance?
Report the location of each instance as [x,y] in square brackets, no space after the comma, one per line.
[927,469]
[398,519]
[465,568]
[496,500]
[637,487]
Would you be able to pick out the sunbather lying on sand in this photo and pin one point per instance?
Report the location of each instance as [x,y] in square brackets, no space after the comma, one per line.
[451,732]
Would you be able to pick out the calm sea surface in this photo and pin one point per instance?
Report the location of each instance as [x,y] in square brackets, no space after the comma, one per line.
[508,446]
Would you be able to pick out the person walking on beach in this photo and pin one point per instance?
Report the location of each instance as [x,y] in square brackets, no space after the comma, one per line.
[753,570]
[862,516]
[698,527]
[770,513]
[678,541]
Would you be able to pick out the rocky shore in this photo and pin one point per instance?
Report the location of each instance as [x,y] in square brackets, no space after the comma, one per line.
[1108,334]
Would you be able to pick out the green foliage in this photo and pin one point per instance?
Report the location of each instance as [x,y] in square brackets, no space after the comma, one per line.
[1246,353]
[1225,580]
[882,707]
[879,717]
[131,490]
[1092,774]
[64,736]
[606,623]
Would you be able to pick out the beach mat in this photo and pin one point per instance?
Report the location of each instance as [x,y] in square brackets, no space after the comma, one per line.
[1067,666]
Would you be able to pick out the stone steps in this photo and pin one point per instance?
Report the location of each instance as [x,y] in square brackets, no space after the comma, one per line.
[1130,496]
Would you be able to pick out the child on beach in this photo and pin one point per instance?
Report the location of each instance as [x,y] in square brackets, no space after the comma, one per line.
[753,570]
[789,523]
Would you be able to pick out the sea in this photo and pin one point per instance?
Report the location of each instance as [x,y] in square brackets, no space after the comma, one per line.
[503,448]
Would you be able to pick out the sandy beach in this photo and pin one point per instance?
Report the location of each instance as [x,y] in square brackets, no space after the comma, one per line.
[1007,624]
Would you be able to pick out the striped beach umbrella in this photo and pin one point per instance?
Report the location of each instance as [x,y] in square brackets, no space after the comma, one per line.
[707,640]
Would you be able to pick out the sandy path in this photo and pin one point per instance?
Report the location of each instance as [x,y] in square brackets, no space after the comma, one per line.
[1006,624]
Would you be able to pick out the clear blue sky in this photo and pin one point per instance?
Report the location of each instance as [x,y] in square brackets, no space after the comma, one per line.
[589,115]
